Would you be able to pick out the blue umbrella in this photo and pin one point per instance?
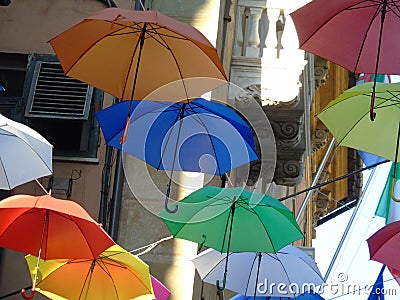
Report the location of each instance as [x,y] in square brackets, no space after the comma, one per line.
[196,136]
[305,296]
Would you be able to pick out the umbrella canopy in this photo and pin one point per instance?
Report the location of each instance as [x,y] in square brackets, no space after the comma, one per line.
[233,219]
[370,46]
[260,274]
[22,146]
[197,136]
[115,274]
[160,290]
[384,244]
[46,226]
[130,54]
[347,117]
[305,296]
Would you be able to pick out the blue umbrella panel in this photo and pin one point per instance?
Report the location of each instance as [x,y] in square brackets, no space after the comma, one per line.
[202,135]
[196,136]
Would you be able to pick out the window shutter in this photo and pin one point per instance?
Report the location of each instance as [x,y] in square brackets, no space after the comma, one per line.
[54,95]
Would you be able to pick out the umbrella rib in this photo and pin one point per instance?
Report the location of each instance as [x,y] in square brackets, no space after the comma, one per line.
[220,260]
[365,36]
[326,21]
[70,217]
[249,276]
[359,120]
[383,244]
[5,173]
[33,150]
[167,140]
[92,45]
[135,118]
[176,63]
[103,266]
[209,136]
[266,231]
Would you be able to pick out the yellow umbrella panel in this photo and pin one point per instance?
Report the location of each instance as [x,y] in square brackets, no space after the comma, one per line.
[115,274]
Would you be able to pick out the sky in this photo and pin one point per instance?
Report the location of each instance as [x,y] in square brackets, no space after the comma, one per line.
[353,273]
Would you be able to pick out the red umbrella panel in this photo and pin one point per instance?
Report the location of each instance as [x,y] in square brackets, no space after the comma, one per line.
[51,228]
[359,35]
[384,245]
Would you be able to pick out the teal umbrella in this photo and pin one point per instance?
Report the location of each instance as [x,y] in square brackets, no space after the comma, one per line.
[253,222]
[233,220]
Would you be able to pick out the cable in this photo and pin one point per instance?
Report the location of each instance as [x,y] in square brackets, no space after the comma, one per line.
[333,180]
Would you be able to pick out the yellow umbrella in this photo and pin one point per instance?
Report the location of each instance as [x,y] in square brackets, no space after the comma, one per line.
[115,274]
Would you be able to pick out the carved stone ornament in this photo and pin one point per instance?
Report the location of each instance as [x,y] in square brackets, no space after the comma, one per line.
[319,139]
[320,71]
[288,172]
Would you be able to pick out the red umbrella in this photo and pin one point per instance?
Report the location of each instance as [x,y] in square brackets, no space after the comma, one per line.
[359,35]
[57,228]
[384,245]
[50,228]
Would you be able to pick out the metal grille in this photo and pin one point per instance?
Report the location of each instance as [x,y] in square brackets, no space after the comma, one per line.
[54,95]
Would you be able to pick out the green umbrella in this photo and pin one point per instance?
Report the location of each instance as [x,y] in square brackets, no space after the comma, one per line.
[211,216]
[347,118]
[233,220]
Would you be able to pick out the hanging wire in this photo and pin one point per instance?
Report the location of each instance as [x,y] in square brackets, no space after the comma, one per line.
[151,246]
[333,180]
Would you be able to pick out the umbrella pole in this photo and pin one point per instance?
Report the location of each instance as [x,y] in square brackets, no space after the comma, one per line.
[35,277]
[128,119]
[221,288]
[372,114]
[181,117]
[395,165]
[258,273]
[90,278]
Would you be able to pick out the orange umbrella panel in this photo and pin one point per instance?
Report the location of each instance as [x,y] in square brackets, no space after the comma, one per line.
[115,274]
[130,54]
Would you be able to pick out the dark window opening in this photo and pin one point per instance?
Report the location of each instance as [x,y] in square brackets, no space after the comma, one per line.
[60,108]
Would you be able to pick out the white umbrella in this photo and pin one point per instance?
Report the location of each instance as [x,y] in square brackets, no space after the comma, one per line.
[289,272]
[24,154]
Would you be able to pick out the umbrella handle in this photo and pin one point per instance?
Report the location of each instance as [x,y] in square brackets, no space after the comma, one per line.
[372,114]
[223,283]
[23,293]
[393,196]
[171,211]
[202,243]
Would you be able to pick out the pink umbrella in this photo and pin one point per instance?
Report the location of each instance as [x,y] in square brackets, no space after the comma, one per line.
[160,290]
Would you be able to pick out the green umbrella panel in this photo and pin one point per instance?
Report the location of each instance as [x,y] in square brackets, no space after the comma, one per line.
[233,219]
[347,118]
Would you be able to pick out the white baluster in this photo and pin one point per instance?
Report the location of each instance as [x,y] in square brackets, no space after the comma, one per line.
[239,34]
[271,40]
[253,47]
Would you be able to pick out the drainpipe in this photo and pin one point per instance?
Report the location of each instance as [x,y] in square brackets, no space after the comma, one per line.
[316,178]
[116,202]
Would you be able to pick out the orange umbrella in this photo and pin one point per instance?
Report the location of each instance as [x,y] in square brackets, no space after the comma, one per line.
[57,228]
[115,274]
[50,228]
[131,54]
